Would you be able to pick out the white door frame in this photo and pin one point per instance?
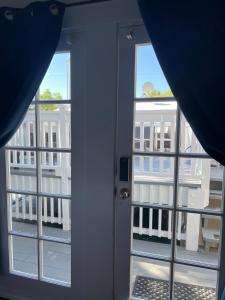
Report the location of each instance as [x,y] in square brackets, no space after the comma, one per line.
[127,39]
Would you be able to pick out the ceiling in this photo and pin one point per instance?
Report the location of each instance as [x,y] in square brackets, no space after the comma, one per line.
[22,3]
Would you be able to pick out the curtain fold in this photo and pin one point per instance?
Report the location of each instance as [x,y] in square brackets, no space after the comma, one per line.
[28,40]
[189,41]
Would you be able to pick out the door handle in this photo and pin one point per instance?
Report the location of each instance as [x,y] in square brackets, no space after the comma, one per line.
[124,194]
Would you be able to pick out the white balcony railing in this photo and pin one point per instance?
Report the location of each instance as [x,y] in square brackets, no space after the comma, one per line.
[154,186]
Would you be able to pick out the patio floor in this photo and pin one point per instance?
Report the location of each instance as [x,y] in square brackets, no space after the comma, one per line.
[56,257]
[56,260]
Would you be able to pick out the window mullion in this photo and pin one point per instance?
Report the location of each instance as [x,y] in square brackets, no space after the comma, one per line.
[221,275]
[176,178]
[38,187]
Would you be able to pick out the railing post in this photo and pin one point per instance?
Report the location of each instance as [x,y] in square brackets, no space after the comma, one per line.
[64,172]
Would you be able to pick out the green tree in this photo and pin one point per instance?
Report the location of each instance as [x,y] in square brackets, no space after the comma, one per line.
[156,93]
[47,95]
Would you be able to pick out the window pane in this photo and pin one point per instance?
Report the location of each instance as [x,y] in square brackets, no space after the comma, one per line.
[137,145]
[23,213]
[146,164]
[21,171]
[146,132]
[149,279]
[56,217]
[151,169]
[137,164]
[198,237]
[194,283]
[25,135]
[56,83]
[24,255]
[159,135]
[154,187]
[152,230]
[56,173]
[56,262]
[137,132]
[188,140]
[55,126]
[150,80]
[200,184]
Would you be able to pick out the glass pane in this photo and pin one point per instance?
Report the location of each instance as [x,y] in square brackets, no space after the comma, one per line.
[23,213]
[153,168]
[198,237]
[155,126]
[188,140]
[56,217]
[56,83]
[194,283]
[200,184]
[21,171]
[55,126]
[24,255]
[149,279]
[25,135]
[153,179]
[152,230]
[56,261]
[150,80]
[56,173]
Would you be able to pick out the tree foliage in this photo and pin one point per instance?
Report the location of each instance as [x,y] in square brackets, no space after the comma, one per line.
[156,93]
[47,95]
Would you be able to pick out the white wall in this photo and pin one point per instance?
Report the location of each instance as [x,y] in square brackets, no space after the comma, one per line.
[94,93]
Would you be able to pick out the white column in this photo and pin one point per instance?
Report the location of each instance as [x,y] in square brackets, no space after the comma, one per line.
[150,221]
[50,127]
[160,223]
[179,224]
[140,219]
[52,200]
[192,231]
[30,214]
[169,225]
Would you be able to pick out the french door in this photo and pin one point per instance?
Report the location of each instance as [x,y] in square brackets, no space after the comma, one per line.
[169,211]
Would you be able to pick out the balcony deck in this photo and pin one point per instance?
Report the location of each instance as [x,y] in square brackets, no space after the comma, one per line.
[57,261]
[149,278]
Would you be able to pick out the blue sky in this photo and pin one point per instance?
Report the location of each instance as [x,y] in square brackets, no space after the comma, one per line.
[148,69]
[56,78]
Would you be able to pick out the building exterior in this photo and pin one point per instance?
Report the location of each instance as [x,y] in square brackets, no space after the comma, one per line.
[153,180]
[199,179]
[55,168]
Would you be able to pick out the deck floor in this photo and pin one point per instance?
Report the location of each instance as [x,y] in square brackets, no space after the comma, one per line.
[56,260]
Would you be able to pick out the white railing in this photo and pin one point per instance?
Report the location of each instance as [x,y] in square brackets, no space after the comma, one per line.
[157,194]
[55,133]
[54,210]
[158,231]
[55,167]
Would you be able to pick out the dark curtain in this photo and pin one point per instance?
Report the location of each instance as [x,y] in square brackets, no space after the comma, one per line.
[189,41]
[28,40]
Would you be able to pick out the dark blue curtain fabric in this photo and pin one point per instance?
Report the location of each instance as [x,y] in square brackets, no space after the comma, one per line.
[189,41]
[28,40]
[223,296]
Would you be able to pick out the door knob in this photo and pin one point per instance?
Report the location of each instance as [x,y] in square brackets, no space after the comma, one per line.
[124,193]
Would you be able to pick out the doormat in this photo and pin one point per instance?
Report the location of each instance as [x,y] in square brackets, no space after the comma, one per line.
[146,288]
